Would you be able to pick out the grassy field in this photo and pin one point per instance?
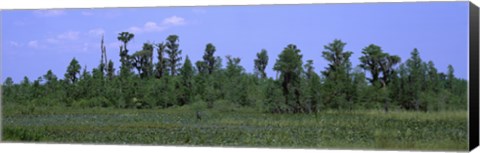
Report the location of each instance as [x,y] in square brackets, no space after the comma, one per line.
[238,127]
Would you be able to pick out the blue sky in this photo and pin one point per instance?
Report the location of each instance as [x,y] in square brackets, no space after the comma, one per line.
[34,41]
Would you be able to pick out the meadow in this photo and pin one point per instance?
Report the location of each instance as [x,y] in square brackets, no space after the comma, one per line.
[237,127]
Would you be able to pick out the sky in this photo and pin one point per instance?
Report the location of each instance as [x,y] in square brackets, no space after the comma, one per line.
[35,41]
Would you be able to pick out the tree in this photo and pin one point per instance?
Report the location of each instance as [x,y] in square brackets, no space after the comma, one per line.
[233,67]
[142,60]
[309,69]
[25,82]
[450,77]
[313,94]
[7,90]
[208,58]
[50,77]
[201,67]
[378,62]
[125,37]
[431,94]
[261,63]
[433,77]
[8,82]
[361,94]
[161,65]
[73,71]
[338,81]
[186,73]
[415,78]
[387,67]
[339,59]
[274,101]
[173,54]
[370,61]
[25,90]
[236,85]
[103,58]
[110,70]
[289,64]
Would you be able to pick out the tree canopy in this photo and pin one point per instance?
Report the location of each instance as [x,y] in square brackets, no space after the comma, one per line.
[298,87]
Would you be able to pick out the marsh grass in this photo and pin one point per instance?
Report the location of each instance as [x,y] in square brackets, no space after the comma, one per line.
[238,126]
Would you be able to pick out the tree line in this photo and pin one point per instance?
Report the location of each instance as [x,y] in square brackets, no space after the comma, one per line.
[297,88]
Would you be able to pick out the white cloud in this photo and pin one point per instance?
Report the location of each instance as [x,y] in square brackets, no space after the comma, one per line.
[147,27]
[70,35]
[96,32]
[135,29]
[49,13]
[86,13]
[174,20]
[151,26]
[13,43]
[33,44]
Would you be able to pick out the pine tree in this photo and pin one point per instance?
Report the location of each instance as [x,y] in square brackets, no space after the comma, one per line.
[73,71]
[161,66]
[173,51]
[415,78]
[209,58]
[110,70]
[186,73]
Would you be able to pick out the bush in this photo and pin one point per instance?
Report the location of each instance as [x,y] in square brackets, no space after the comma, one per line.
[21,134]
[225,106]
[93,102]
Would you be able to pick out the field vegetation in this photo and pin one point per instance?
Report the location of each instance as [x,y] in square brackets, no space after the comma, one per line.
[174,101]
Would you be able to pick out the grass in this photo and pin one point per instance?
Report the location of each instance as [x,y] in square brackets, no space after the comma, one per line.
[244,127]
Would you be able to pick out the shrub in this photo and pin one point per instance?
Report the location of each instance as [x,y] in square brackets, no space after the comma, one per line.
[21,134]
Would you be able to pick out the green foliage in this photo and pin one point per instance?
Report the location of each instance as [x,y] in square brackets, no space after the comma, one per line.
[172,49]
[210,93]
[238,108]
[73,71]
[227,125]
[161,66]
[337,84]
[125,68]
[110,70]
[312,88]
[378,62]
[297,88]
[209,58]
[186,84]
[370,61]
[274,101]
[450,77]
[21,134]
[289,64]
[261,63]
[125,37]
[143,61]
[93,102]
